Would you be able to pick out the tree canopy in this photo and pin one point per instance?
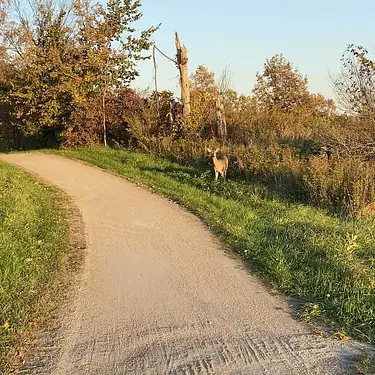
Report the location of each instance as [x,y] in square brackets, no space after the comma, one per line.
[280,85]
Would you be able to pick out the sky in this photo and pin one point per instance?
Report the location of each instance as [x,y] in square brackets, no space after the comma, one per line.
[243,33]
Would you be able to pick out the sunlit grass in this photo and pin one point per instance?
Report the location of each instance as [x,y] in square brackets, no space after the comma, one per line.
[33,241]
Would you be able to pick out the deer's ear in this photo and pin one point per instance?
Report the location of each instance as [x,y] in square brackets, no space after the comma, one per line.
[208,149]
[217,150]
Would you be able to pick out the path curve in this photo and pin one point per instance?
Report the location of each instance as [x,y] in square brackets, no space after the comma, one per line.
[160,296]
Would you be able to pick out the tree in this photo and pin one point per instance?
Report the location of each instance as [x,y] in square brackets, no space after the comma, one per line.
[204,80]
[280,86]
[353,132]
[225,81]
[205,88]
[203,95]
[355,85]
[223,85]
[110,47]
[66,55]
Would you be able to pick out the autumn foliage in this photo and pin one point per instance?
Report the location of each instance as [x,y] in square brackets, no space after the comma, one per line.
[60,60]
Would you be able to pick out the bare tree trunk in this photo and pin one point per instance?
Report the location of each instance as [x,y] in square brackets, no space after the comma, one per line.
[156,82]
[223,86]
[104,120]
[182,60]
[103,103]
[221,121]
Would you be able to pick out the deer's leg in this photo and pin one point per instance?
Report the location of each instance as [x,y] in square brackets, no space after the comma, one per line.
[216,175]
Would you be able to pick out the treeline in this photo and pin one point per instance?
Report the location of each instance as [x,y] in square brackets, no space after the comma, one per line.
[64,77]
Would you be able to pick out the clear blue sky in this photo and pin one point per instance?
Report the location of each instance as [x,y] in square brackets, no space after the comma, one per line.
[243,33]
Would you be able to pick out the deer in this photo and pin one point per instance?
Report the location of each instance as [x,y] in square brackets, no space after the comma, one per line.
[220,164]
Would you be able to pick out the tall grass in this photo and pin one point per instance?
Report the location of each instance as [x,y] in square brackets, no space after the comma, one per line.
[33,244]
[344,185]
[326,260]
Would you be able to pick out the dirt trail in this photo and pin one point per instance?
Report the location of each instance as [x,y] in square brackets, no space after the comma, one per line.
[159,295]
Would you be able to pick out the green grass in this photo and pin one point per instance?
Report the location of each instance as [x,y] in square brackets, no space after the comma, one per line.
[365,364]
[325,260]
[34,239]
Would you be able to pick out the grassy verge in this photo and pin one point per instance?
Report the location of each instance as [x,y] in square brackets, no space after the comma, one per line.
[34,243]
[327,261]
